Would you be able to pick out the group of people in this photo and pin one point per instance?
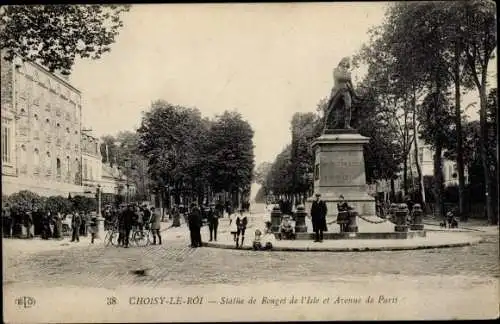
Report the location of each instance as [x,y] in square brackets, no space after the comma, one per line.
[126,216]
[212,213]
[24,222]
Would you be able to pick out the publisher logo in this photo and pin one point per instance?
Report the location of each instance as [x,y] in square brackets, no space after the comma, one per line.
[25,301]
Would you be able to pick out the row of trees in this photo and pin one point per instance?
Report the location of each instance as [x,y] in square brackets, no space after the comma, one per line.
[420,60]
[27,200]
[196,157]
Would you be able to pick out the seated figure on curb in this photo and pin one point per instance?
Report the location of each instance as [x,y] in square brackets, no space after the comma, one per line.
[286,228]
[344,212]
[264,240]
[451,220]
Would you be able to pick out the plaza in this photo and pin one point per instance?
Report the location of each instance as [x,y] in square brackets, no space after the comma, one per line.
[430,283]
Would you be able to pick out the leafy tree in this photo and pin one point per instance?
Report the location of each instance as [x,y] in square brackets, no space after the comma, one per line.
[54,35]
[261,172]
[170,141]
[25,200]
[82,203]
[230,152]
[480,35]
[279,179]
[56,204]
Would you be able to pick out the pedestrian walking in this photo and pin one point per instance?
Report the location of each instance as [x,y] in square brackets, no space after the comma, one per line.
[176,217]
[85,221]
[46,233]
[7,220]
[194,221]
[146,215]
[28,223]
[318,215]
[155,225]
[57,226]
[127,221]
[213,221]
[76,224]
[241,224]
[93,228]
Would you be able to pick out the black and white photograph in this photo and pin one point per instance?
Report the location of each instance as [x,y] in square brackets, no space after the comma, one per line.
[249,162]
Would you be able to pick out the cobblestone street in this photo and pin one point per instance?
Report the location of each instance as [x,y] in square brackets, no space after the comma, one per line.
[428,284]
[174,263]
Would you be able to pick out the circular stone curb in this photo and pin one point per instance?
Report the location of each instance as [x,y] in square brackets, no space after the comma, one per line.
[458,230]
[349,249]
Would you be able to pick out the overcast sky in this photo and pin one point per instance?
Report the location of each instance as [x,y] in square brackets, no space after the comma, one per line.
[265,61]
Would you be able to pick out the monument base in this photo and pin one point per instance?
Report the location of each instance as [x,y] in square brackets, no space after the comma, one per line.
[340,170]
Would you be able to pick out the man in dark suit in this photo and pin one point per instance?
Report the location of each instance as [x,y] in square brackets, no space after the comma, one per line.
[194,221]
[213,221]
[127,222]
[318,215]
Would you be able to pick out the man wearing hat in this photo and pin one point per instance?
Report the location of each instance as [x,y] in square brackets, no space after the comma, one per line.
[318,215]
[213,221]
[194,221]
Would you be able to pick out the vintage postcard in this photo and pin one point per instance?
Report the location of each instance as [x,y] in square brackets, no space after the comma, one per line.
[249,162]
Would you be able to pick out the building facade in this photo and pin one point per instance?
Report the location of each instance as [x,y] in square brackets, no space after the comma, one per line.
[41,131]
[91,161]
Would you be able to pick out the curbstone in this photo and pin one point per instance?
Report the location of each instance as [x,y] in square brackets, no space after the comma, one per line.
[348,249]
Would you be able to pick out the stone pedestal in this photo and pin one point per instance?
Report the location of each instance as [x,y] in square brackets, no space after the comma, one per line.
[275,219]
[300,220]
[353,226]
[339,169]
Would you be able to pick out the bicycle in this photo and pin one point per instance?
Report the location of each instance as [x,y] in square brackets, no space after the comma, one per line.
[112,235]
[142,237]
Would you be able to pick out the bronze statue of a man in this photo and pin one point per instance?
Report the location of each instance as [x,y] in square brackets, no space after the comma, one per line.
[338,113]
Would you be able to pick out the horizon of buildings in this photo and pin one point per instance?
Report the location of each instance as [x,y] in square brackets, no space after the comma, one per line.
[45,149]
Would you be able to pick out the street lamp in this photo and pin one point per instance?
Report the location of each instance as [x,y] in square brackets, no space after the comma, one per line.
[98,191]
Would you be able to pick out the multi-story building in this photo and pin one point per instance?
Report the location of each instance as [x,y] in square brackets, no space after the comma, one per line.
[41,131]
[91,161]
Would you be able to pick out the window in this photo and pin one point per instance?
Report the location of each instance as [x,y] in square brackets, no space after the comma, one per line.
[68,166]
[58,167]
[36,158]
[84,169]
[7,142]
[22,155]
[48,161]
[67,130]
[23,168]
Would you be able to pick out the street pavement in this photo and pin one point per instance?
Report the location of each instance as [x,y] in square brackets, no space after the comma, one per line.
[445,283]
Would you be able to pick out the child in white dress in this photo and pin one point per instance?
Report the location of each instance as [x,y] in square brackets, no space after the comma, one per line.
[264,240]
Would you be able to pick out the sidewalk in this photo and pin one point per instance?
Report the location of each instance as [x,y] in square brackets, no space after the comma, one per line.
[13,246]
[434,239]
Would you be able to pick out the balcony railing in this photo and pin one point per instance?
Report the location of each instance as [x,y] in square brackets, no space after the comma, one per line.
[48,138]
[36,170]
[48,172]
[58,112]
